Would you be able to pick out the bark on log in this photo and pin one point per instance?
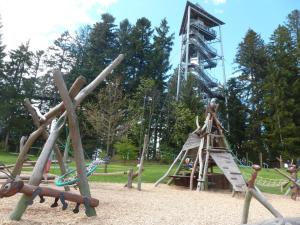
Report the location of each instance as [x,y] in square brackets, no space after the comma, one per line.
[27,177]
[130,175]
[50,192]
[75,139]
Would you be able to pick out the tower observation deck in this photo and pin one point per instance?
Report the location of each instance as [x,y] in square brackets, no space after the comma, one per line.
[197,56]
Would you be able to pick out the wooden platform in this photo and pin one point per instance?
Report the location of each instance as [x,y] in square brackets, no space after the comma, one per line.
[215,181]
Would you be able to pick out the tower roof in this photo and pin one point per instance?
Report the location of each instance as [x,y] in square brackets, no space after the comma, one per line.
[197,11]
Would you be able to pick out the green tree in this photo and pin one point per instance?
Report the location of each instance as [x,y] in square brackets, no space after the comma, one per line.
[108,115]
[252,61]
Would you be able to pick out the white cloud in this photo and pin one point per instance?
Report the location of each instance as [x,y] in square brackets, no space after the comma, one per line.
[218,2]
[42,21]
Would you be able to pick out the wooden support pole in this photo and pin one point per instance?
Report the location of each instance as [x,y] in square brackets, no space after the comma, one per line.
[193,172]
[200,163]
[204,184]
[169,170]
[247,202]
[259,197]
[179,166]
[37,172]
[145,147]
[76,140]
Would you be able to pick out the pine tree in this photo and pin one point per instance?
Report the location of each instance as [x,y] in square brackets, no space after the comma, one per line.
[162,48]
[252,65]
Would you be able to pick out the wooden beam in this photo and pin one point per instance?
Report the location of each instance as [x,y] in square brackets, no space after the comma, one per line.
[193,172]
[169,170]
[246,207]
[75,139]
[37,172]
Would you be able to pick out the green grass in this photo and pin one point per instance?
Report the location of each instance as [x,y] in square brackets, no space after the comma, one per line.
[152,172]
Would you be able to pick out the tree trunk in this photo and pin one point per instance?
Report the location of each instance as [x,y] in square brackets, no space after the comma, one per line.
[6,141]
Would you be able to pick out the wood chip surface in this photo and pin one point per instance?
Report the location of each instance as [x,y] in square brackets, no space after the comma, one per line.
[164,205]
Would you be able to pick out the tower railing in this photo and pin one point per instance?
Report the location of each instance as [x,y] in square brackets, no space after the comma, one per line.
[203,28]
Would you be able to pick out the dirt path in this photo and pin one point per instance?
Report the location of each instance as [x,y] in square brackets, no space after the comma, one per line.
[164,205]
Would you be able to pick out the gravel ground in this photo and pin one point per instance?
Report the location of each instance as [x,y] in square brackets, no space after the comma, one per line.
[165,205]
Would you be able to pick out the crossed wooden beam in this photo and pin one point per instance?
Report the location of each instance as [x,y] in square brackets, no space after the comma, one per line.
[254,192]
[66,109]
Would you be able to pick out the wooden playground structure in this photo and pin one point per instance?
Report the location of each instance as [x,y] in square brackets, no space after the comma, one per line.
[66,112]
[207,147]
[253,191]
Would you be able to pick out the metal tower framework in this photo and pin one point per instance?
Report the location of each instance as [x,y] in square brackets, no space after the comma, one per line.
[197,55]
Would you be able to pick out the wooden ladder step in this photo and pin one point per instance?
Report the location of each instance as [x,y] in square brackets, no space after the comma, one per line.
[235,173]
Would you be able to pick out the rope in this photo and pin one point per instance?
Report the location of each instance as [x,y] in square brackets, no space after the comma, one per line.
[266,182]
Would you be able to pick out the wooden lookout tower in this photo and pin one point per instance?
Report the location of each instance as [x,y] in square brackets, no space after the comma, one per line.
[205,148]
[197,56]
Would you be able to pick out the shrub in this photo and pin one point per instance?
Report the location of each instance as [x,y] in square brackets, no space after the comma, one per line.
[126,149]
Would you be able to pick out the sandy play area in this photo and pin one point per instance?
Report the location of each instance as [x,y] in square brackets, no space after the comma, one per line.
[163,205]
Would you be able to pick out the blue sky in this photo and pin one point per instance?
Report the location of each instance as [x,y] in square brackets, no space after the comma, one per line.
[263,16]
[41,22]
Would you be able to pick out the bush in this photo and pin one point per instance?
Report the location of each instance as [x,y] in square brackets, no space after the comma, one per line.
[166,154]
[126,149]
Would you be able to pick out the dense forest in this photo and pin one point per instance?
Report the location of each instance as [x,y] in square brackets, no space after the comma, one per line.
[139,96]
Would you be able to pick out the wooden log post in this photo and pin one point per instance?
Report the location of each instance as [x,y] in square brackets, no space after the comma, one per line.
[145,147]
[200,150]
[41,162]
[75,140]
[129,181]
